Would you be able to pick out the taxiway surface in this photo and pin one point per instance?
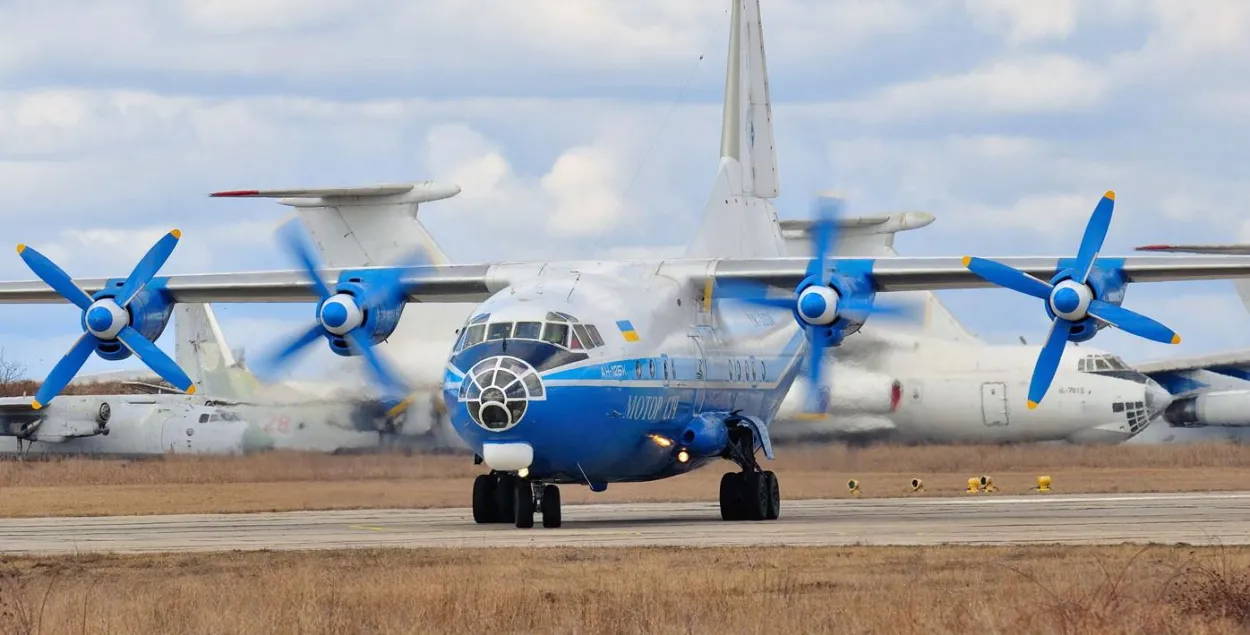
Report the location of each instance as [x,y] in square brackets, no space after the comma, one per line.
[1205,518]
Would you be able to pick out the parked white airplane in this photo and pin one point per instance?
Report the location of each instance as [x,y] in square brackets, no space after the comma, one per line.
[937,383]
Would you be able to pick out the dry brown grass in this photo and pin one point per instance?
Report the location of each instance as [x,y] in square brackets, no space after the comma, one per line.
[287,481]
[657,590]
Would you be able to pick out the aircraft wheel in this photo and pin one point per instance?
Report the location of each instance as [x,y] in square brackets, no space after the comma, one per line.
[505,510]
[731,490]
[755,496]
[551,506]
[523,503]
[774,496]
[484,508]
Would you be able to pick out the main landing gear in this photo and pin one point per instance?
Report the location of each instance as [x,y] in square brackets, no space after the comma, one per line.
[753,493]
[504,497]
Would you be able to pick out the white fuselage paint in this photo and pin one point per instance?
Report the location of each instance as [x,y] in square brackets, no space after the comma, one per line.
[137,426]
[966,392]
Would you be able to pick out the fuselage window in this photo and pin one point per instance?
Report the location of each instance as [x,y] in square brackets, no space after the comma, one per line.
[203,418]
[638,369]
[499,330]
[763,371]
[651,365]
[527,330]
[473,336]
[594,334]
[581,333]
[556,333]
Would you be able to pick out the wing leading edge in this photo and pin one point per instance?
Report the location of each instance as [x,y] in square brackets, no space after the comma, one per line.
[473,283]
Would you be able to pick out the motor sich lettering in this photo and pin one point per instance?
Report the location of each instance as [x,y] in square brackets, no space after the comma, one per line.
[646,408]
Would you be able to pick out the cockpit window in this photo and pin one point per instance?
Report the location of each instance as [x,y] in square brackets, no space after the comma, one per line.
[594,335]
[499,330]
[575,342]
[527,330]
[555,333]
[1103,363]
[474,335]
[552,316]
[580,331]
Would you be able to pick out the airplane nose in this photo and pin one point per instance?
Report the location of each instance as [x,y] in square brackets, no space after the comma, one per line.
[1157,399]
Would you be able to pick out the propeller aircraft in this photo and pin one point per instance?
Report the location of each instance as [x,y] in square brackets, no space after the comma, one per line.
[600,372]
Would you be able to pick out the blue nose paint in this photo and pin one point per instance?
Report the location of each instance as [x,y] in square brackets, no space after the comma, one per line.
[812,305]
[1067,300]
[334,315]
[99,319]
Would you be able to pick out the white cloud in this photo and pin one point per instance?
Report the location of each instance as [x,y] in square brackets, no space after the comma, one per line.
[1025,20]
[1016,86]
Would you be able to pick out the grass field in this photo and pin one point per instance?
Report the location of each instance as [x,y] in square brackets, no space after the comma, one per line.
[956,590]
[280,481]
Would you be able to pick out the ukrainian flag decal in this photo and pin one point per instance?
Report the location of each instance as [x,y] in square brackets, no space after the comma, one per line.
[627,330]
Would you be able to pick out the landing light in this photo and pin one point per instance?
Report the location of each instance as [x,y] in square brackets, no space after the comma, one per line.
[683,456]
[663,442]
[523,472]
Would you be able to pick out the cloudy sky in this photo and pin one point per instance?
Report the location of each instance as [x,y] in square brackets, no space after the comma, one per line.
[591,127]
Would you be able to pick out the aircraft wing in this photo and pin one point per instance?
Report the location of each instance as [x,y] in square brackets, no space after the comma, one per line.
[16,405]
[1216,362]
[473,283]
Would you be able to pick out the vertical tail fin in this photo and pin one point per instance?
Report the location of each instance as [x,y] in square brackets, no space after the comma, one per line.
[739,220]
[202,352]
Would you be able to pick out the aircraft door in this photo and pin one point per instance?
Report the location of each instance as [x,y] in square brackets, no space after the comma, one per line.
[994,403]
[699,379]
[178,434]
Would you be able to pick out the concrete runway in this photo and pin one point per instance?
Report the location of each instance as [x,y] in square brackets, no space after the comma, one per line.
[1201,518]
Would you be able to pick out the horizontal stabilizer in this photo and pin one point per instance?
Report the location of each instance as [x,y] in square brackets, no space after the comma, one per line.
[422,192]
[1231,249]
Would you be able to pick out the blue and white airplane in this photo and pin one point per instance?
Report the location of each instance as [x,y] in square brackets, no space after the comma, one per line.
[595,372]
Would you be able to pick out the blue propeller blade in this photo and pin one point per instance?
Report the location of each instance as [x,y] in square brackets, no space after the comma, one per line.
[1008,277]
[1095,234]
[148,266]
[294,240]
[266,366]
[64,371]
[390,286]
[391,383]
[1048,360]
[54,276]
[1133,322]
[156,359]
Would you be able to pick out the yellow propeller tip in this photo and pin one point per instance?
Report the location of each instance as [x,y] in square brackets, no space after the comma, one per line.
[967,260]
[21,247]
[176,232]
[191,389]
[1110,195]
[1032,405]
[1176,339]
[34,404]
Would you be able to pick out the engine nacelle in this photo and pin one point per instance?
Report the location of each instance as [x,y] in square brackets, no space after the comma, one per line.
[1219,408]
[150,311]
[824,306]
[1107,285]
[705,436]
[378,322]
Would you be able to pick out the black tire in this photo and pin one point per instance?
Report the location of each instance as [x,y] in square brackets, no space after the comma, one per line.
[774,497]
[551,506]
[523,503]
[505,509]
[731,486]
[484,508]
[755,496]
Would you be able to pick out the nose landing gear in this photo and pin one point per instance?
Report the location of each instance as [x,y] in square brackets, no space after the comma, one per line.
[504,497]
